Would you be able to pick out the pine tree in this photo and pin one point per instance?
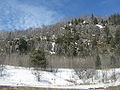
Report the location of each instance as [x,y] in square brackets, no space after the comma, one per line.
[76,21]
[95,21]
[94,42]
[23,46]
[115,19]
[92,16]
[38,59]
[108,35]
[117,36]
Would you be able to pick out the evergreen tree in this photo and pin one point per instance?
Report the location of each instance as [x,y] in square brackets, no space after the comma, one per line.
[112,42]
[23,46]
[95,21]
[118,49]
[108,35]
[92,16]
[80,20]
[76,21]
[115,19]
[94,42]
[107,31]
[117,36]
[38,59]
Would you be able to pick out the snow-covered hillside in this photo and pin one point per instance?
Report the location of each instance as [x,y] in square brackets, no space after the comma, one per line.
[61,78]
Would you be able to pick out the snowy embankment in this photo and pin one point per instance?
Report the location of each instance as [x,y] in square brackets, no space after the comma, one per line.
[61,78]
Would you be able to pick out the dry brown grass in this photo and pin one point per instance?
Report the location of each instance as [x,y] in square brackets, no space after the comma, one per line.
[109,88]
[31,88]
[24,88]
[113,88]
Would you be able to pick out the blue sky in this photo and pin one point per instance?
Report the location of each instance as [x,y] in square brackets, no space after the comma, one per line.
[22,14]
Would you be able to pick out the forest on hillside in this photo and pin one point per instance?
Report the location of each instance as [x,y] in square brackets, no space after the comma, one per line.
[88,42]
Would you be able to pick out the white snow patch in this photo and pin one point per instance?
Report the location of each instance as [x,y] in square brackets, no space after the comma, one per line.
[84,22]
[53,37]
[62,27]
[53,47]
[51,52]
[70,24]
[100,26]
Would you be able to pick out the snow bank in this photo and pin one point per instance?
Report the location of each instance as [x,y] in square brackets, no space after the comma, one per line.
[62,78]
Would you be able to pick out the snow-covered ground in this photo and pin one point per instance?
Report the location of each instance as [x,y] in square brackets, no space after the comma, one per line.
[60,78]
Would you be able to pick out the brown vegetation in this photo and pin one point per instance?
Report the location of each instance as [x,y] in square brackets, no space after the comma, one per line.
[32,88]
